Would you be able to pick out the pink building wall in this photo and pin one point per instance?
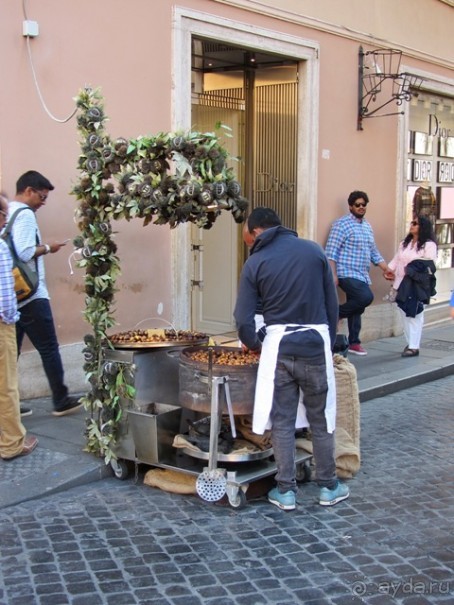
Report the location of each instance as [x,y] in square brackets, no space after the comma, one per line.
[125,48]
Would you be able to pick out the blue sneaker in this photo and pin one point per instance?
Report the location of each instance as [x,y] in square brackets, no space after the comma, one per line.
[286,501]
[330,497]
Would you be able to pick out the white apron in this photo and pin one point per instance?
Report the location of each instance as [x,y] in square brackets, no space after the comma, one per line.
[264,389]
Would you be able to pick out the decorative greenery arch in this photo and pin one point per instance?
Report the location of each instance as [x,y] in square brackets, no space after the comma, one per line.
[166,179]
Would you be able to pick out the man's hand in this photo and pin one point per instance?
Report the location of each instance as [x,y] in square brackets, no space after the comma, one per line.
[245,349]
[55,246]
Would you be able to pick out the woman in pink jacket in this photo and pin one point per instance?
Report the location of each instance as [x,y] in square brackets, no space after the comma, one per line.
[418,244]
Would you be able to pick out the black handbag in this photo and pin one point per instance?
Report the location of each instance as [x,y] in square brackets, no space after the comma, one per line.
[26,280]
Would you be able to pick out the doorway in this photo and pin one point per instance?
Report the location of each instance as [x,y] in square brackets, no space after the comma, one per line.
[303,53]
[251,99]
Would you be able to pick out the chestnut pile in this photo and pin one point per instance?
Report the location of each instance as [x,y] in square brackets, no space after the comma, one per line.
[138,336]
[225,357]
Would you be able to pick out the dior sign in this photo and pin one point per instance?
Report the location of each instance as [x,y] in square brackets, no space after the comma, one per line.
[267,182]
[445,172]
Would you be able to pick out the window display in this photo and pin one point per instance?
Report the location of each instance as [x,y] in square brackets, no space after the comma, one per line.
[445,197]
[430,169]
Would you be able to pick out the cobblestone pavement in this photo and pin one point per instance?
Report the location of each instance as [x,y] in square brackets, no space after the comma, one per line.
[123,543]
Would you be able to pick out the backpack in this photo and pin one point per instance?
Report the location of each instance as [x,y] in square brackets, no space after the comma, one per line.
[26,280]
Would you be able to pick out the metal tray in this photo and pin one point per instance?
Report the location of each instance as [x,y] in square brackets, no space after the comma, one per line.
[163,344]
[232,457]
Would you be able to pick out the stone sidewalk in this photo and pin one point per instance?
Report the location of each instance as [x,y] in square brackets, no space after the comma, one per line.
[60,463]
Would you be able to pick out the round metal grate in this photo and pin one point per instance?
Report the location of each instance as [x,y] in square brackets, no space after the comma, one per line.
[211,485]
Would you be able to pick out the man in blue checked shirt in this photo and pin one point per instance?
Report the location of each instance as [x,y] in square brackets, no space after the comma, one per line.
[351,249]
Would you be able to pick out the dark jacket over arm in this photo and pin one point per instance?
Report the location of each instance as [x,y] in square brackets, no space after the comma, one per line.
[417,287]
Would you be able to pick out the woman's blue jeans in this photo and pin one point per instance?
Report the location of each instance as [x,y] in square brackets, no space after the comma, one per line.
[359,296]
[309,375]
[37,323]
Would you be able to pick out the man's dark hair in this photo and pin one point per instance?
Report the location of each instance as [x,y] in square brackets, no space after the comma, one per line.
[33,179]
[357,195]
[264,218]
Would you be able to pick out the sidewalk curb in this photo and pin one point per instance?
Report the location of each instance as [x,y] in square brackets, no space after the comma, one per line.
[367,393]
[73,472]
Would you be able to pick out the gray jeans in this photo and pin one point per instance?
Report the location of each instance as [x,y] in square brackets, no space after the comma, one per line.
[309,374]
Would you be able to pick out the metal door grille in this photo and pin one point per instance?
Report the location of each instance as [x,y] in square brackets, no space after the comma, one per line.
[230,98]
[224,107]
[275,139]
[276,150]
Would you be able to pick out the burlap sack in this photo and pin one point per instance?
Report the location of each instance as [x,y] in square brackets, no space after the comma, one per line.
[172,481]
[243,426]
[347,398]
[346,453]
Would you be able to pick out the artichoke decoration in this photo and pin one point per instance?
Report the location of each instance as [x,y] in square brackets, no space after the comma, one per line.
[234,189]
[219,190]
[94,140]
[205,197]
[145,189]
[193,189]
[166,179]
[108,154]
[144,165]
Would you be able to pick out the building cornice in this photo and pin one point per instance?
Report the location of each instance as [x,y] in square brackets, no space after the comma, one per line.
[256,6]
[449,2]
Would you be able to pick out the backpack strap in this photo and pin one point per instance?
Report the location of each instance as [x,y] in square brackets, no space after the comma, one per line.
[11,220]
[7,232]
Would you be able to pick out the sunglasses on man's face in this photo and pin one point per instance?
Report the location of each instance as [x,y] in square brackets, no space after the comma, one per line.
[414,223]
[360,205]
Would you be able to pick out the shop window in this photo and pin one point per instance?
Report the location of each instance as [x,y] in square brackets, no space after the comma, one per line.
[430,169]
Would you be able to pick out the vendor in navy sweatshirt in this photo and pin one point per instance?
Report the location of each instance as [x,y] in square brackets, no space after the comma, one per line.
[293,281]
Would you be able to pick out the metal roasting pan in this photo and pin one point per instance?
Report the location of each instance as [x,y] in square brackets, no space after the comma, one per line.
[164,344]
[232,457]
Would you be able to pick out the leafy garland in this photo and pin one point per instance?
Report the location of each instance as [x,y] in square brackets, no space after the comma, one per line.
[166,179]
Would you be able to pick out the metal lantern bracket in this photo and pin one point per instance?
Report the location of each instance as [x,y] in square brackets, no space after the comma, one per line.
[374,68]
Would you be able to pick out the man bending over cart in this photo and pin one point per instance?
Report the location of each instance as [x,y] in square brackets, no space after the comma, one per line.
[292,278]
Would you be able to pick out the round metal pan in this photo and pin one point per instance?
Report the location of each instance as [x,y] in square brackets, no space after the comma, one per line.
[232,457]
[195,382]
[163,344]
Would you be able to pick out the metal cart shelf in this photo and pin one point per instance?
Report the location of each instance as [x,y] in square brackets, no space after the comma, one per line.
[147,433]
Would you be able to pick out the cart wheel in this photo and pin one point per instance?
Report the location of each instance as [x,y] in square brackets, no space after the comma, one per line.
[120,469]
[239,501]
[303,472]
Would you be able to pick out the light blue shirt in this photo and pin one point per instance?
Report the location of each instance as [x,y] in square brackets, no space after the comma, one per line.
[26,237]
[352,247]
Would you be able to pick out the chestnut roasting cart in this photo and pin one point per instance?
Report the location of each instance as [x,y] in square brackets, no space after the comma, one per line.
[172,392]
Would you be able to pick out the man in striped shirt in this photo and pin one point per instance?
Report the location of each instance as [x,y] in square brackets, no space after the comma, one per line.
[350,250]
[13,439]
[36,320]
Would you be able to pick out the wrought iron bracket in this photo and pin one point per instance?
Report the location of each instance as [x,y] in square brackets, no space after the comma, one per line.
[375,67]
